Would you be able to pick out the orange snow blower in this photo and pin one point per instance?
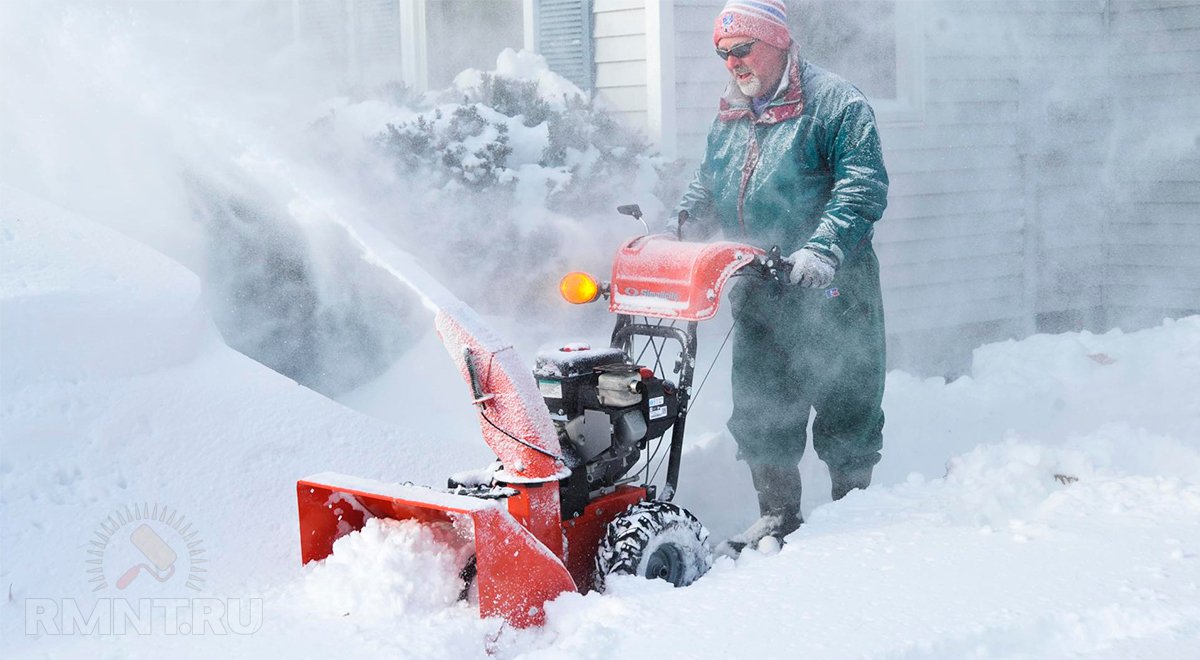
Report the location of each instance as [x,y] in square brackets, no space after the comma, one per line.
[561,512]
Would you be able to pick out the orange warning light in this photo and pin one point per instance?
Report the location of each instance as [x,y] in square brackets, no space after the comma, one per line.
[579,288]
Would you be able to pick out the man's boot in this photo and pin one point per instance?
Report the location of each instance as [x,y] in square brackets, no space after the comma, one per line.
[847,479]
[778,506]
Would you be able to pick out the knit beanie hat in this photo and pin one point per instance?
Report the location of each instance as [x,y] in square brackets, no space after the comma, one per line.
[764,20]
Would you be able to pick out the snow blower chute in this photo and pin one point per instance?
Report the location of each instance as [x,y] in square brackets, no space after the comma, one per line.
[563,511]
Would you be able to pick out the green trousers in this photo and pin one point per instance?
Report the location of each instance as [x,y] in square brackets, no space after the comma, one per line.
[797,349]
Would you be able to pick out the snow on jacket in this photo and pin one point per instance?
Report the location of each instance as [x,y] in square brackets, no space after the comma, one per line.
[808,171]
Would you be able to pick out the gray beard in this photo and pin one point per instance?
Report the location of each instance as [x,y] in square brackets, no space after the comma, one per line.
[751,87]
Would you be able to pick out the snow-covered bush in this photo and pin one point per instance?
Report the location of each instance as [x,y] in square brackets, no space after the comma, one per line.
[515,170]
[599,156]
[468,149]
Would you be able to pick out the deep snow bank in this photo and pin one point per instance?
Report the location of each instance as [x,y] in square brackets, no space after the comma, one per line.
[1133,392]
[117,311]
[1128,399]
[118,393]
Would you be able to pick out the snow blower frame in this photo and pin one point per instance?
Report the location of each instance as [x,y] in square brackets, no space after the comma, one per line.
[559,512]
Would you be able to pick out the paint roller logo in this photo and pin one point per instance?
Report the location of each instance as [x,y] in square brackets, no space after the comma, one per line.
[142,545]
[153,547]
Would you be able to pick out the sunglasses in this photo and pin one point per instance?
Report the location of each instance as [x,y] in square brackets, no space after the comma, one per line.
[739,51]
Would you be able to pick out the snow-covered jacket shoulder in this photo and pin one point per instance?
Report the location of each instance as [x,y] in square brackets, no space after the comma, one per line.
[807,172]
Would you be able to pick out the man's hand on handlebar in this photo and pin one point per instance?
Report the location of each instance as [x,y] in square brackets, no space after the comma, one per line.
[811,269]
[805,267]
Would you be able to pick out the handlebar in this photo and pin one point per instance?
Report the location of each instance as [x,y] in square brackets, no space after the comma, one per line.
[771,266]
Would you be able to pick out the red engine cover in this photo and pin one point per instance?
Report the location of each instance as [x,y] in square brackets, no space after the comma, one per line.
[662,277]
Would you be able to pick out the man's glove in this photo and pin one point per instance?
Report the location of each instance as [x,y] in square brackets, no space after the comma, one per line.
[811,268]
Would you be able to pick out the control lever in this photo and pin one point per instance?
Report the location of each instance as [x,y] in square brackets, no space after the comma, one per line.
[635,211]
[776,267]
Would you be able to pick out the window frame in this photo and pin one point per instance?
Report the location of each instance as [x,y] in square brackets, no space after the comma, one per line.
[908,107]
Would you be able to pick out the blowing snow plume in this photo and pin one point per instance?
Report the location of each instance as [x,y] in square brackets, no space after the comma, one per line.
[206,131]
[501,182]
[152,118]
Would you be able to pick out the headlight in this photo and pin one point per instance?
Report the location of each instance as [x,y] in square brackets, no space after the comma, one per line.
[579,288]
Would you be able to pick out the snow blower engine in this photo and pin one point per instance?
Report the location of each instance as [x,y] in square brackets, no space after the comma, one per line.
[563,508]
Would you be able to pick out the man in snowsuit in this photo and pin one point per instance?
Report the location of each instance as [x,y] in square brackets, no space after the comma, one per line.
[794,160]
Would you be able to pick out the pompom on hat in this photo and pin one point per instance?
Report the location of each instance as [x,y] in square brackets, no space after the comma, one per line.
[764,20]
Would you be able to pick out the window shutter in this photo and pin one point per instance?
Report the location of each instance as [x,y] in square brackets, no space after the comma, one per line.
[564,38]
[377,40]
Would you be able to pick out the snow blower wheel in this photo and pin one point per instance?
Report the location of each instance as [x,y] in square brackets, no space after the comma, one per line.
[656,540]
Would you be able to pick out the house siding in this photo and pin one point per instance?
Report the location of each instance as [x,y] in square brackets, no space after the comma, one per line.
[952,243]
[1154,230]
[700,77]
[1065,121]
[621,45]
[1022,147]
[619,38]
[490,27]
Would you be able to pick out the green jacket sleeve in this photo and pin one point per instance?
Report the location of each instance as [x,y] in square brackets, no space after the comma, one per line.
[698,202]
[860,184]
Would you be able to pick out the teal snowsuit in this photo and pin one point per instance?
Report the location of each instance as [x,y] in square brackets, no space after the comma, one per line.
[807,172]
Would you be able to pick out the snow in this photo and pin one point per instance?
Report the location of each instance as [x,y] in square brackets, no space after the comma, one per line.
[215,436]
[514,419]
[1045,505]
[145,309]
[649,303]
[370,575]
[523,65]
[406,491]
